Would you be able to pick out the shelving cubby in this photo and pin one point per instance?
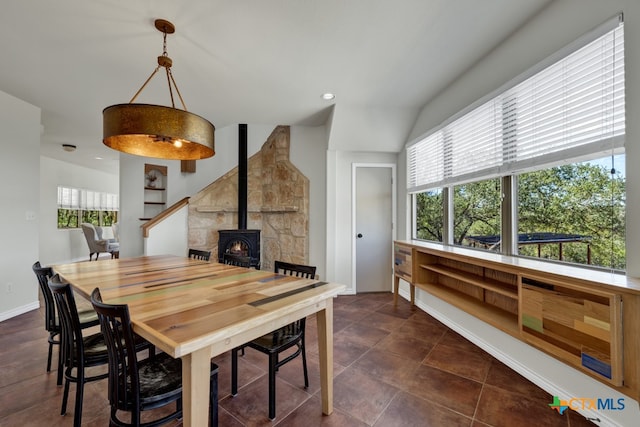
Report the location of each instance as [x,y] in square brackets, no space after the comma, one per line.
[489,294]
[155,182]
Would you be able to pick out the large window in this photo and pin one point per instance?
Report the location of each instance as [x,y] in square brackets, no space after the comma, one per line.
[77,205]
[537,168]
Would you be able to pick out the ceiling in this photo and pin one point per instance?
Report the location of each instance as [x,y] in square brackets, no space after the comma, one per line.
[250,61]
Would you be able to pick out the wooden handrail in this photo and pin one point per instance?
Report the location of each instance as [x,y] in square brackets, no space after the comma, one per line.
[162,215]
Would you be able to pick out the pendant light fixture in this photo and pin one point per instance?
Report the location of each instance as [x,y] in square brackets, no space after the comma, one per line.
[158,131]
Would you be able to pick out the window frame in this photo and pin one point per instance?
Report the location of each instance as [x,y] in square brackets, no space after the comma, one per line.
[83,202]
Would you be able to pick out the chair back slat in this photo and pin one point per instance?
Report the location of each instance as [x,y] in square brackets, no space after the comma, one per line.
[50,318]
[297,270]
[289,332]
[237,260]
[71,341]
[198,254]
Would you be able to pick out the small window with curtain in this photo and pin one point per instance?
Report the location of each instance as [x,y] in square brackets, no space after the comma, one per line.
[77,205]
[556,135]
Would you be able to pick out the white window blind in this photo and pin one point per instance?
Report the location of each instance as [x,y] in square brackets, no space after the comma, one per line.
[76,198]
[426,160]
[68,198]
[572,108]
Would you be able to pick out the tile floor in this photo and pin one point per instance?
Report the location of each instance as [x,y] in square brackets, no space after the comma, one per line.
[392,367]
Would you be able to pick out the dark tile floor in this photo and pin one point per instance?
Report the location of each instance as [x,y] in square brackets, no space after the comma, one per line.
[392,367]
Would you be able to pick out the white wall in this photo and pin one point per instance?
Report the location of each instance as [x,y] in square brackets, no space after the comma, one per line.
[558,25]
[19,183]
[60,246]
[164,239]
[308,153]
[369,129]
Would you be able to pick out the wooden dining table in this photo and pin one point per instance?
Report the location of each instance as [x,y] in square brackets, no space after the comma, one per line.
[196,310]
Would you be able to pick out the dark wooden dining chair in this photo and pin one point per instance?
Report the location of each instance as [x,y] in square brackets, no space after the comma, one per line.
[237,260]
[141,385]
[278,341]
[87,317]
[79,352]
[198,254]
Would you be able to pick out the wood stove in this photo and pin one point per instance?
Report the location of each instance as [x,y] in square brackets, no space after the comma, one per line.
[240,242]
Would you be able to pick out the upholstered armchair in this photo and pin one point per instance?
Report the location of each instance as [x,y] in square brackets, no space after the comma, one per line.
[96,243]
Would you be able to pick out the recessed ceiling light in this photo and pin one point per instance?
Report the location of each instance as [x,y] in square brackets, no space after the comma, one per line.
[98,158]
[328,96]
[68,147]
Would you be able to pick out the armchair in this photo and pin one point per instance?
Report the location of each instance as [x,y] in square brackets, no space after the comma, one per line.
[96,243]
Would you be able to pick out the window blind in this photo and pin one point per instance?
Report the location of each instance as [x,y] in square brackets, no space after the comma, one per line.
[570,109]
[426,160]
[68,198]
[76,198]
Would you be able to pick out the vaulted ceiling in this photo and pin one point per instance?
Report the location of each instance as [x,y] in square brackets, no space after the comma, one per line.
[249,61]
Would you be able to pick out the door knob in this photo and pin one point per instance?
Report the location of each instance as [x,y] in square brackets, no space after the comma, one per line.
[359,236]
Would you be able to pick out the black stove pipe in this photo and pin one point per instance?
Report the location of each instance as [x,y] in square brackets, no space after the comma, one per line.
[242,176]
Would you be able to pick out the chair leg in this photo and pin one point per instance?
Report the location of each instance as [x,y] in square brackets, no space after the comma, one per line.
[49,356]
[234,372]
[65,397]
[272,385]
[304,365]
[60,365]
[77,416]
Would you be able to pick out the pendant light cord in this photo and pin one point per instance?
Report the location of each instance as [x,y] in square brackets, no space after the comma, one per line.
[166,62]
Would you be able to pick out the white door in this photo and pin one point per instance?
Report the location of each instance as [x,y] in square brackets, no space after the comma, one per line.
[373,227]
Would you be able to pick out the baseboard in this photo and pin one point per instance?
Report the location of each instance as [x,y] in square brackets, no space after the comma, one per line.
[548,373]
[19,310]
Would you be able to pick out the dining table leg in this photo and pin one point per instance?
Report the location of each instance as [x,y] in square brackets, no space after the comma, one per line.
[196,369]
[325,346]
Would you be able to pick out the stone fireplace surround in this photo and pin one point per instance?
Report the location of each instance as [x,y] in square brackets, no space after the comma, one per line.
[278,205]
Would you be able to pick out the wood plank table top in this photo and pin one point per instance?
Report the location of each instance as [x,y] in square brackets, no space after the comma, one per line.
[196,310]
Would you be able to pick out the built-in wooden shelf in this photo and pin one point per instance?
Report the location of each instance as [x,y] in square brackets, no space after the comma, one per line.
[155,196]
[503,320]
[572,313]
[510,291]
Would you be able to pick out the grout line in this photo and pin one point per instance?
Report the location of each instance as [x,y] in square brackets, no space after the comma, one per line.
[475,411]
